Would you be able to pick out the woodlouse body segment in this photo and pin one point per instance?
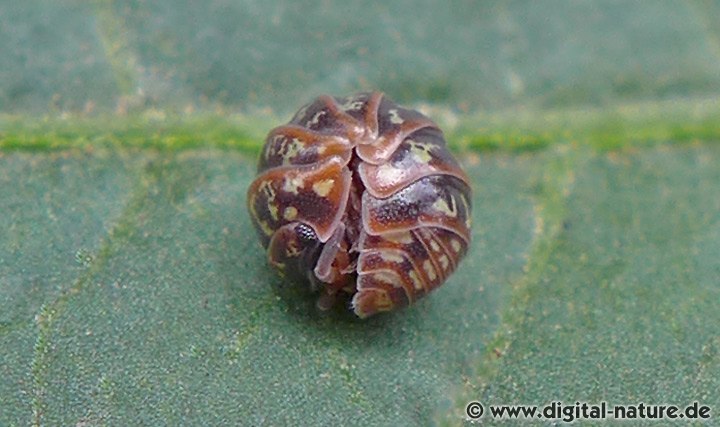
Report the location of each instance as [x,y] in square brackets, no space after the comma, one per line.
[358,196]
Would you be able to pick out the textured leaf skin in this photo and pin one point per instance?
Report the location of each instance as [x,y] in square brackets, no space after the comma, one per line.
[179,318]
[153,303]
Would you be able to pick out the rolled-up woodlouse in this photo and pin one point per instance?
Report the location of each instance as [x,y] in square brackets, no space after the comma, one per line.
[359,196]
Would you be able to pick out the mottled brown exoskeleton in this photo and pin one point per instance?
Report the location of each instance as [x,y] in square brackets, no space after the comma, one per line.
[359,196]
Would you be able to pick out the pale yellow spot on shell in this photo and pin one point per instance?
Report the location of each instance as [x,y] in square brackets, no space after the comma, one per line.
[420,150]
[352,104]
[273,146]
[252,202]
[294,147]
[265,228]
[315,119]
[430,270]
[265,187]
[272,207]
[456,246]
[404,238]
[441,205]
[291,185]
[387,173]
[262,224]
[322,188]
[444,262]
[290,213]
[388,278]
[434,245]
[417,284]
[395,118]
[392,257]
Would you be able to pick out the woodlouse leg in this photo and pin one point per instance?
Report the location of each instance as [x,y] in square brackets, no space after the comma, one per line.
[334,260]
[323,269]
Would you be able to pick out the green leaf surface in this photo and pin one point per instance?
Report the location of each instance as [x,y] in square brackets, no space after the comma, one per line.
[134,292]
[130,54]
[175,315]
[624,306]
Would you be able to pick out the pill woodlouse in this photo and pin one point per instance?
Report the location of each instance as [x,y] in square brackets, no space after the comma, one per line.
[359,196]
